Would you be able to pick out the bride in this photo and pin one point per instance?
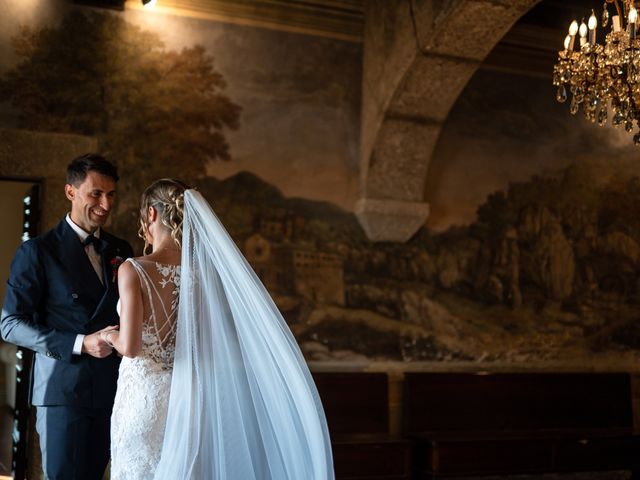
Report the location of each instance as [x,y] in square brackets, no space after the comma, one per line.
[212,384]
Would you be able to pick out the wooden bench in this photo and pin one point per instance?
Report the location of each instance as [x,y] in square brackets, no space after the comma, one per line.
[357,410]
[474,424]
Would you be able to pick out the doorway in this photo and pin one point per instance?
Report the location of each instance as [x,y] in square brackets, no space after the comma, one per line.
[19,215]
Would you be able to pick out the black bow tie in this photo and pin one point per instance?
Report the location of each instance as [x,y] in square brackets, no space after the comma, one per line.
[97,243]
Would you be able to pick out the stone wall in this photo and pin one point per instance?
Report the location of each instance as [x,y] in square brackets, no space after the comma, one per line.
[43,157]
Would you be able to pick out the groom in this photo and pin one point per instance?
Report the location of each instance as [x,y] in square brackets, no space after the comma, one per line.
[60,294]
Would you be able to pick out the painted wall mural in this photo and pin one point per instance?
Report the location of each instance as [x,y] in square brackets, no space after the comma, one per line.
[530,257]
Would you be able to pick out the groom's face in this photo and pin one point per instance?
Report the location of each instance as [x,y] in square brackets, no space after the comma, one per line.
[92,200]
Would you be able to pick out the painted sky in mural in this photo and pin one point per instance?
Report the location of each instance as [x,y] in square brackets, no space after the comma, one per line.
[300,96]
[506,128]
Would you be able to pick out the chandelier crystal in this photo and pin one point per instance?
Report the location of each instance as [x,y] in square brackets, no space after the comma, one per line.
[603,79]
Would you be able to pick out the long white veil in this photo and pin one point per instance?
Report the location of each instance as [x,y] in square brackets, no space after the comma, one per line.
[243,405]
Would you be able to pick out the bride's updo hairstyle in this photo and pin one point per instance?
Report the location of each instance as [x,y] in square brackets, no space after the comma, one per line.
[167,197]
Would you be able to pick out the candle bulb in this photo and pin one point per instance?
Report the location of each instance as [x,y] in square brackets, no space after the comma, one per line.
[593,23]
[573,29]
[583,34]
[567,42]
[633,17]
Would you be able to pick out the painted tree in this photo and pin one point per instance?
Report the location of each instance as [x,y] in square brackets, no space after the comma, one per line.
[156,112]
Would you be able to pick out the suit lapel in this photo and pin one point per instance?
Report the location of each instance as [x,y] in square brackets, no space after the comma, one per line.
[76,261]
[110,254]
[107,255]
[112,257]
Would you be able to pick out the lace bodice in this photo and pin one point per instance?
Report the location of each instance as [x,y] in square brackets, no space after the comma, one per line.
[160,285]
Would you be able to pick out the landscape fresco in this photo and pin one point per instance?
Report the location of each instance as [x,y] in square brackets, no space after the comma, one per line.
[531,255]
[549,271]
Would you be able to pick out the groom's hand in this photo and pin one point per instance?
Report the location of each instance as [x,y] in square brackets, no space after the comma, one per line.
[95,346]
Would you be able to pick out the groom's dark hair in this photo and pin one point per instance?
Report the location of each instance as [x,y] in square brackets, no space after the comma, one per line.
[89,162]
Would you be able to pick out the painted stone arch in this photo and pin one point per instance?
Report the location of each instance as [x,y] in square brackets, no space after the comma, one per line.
[418,57]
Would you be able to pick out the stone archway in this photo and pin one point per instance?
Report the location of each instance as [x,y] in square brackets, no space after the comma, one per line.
[418,57]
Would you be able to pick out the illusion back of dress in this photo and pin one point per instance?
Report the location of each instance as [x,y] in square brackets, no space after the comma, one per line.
[140,407]
[160,288]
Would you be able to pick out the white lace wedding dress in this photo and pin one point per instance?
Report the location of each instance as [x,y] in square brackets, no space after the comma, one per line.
[140,408]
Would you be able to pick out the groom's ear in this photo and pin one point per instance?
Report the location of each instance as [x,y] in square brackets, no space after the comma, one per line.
[69,191]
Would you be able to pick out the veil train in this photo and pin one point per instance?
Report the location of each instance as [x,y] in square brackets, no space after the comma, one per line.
[243,405]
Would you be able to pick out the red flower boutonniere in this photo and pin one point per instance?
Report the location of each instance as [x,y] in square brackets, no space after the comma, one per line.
[115,263]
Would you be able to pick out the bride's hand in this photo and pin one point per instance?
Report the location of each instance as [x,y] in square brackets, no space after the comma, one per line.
[107,333]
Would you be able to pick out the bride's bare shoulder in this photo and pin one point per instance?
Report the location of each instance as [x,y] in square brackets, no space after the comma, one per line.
[127,275]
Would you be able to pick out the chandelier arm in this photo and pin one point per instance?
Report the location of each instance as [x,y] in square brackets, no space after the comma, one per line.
[617,5]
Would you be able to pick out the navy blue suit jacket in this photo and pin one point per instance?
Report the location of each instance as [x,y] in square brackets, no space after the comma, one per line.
[53,294]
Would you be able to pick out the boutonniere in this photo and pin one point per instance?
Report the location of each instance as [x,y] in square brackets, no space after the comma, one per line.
[115,264]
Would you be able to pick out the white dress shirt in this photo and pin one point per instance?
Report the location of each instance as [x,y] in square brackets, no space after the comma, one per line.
[96,261]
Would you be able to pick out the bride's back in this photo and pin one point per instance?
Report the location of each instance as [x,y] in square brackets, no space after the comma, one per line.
[160,287]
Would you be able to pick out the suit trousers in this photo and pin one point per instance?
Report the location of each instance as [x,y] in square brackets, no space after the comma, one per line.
[74,441]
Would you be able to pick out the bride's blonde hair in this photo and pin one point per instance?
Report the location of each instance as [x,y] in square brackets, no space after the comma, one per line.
[167,197]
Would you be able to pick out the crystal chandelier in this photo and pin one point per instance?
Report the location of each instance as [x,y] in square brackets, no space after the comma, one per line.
[603,79]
